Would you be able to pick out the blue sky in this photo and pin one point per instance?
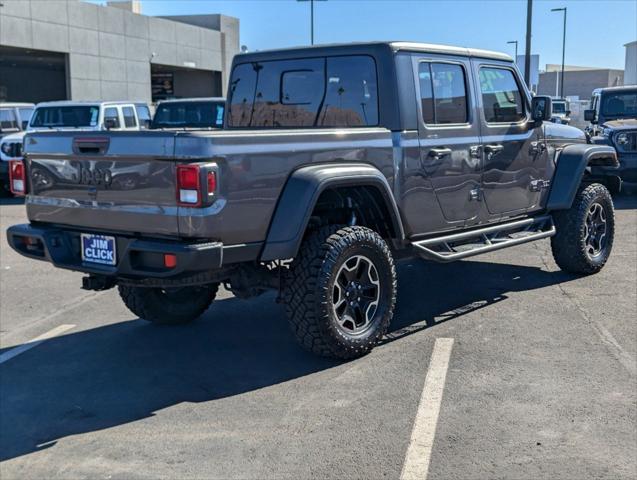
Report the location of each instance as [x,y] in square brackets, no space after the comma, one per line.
[596,30]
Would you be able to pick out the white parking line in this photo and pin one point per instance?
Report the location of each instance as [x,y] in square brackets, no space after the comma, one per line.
[8,355]
[416,463]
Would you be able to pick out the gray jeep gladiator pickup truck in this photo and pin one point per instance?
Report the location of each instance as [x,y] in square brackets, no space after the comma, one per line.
[333,161]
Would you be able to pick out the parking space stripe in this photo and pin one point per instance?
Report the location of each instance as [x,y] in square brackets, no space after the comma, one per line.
[418,455]
[8,355]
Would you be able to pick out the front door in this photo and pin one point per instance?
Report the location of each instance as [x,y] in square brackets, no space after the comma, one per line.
[449,138]
[513,146]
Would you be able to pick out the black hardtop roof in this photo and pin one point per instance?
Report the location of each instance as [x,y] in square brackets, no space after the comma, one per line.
[372,48]
[622,88]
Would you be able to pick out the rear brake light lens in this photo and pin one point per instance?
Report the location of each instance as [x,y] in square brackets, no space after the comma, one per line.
[17,177]
[188,185]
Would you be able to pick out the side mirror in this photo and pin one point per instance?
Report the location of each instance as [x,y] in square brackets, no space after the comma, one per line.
[25,124]
[541,108]
[110,123]
[568,113]
[589,116]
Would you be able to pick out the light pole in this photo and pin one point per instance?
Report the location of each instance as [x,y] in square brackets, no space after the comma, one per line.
[563,49]
[527,48]
[516,49]
[311,17]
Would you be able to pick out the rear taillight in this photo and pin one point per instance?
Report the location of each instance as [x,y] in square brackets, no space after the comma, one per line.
[188,185]
[17,177]
[196,185]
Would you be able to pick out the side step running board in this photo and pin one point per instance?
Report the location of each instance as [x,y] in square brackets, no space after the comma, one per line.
[467,244]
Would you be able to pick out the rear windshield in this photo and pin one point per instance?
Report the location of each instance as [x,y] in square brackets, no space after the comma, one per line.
[315,92]
[189,115]
[69,116]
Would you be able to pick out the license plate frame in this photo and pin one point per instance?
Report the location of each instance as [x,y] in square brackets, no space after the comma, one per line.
[98,249]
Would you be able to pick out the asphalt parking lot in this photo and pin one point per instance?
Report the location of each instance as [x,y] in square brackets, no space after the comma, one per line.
[541,380]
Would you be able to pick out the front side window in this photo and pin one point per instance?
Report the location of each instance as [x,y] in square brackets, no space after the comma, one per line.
[143,114]
[25,116]
[443,93]
[316,92]
[65,117]
[110,114]
[129,117]
[8,120]
[502,99]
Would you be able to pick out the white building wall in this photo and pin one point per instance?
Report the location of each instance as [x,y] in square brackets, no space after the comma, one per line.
[110,50]
[630,71]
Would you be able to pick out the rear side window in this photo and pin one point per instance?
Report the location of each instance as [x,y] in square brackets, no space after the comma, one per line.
[324,92]
[501,97]
[111,114]
[443,93]
[129,117]
[8,120]
[351,98]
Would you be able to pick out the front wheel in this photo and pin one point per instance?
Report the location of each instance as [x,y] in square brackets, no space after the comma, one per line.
[585,232]
[169,306]
[341,291]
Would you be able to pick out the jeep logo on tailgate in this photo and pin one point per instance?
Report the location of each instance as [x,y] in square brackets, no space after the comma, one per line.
[94,176]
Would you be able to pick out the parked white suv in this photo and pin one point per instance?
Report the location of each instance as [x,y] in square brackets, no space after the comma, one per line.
[70,115]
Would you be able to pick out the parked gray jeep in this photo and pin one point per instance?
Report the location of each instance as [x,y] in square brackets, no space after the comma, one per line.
[613,121]
[333,162]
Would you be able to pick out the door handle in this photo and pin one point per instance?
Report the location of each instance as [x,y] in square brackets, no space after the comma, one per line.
[493,149]
[439,152]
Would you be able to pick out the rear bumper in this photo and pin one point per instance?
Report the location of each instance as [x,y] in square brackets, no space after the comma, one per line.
[136,258]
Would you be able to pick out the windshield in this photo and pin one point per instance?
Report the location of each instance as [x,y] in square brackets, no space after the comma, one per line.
[189,115]
[620,105]
[68,116]
[559,107]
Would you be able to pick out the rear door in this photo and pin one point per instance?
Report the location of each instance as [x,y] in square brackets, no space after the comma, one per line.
[515,160]
[449,137]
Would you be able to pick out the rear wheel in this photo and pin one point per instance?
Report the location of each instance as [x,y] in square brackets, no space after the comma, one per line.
[341,291]
[170,306]
[585,232]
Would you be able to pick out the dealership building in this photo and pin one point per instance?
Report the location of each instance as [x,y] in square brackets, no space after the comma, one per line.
[74,50]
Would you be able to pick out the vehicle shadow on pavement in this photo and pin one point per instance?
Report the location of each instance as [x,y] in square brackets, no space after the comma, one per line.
[458,288]
[123,372]
[11,200]
[625,201]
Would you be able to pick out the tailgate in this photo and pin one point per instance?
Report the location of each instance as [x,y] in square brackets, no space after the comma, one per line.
[115,181]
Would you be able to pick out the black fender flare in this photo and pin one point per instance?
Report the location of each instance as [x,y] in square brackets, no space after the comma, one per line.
[300,194]
[572,162]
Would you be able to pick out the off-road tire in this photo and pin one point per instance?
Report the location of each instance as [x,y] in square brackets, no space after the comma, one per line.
[569,246]
[309,287]
[168,306]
